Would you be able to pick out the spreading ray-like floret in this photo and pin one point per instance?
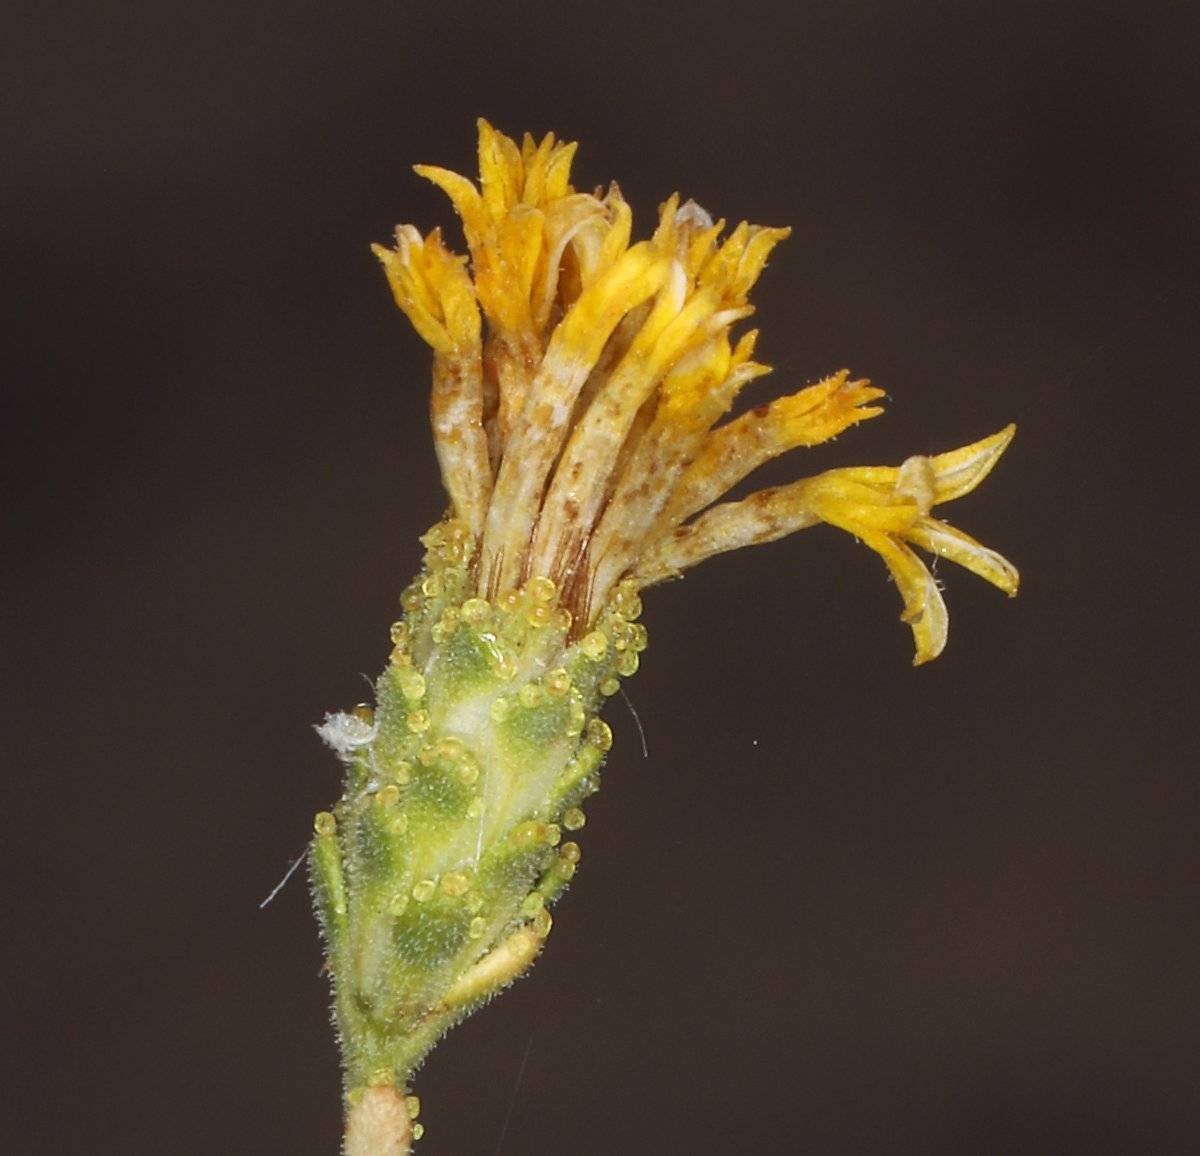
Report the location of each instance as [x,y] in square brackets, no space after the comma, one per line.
[580,386]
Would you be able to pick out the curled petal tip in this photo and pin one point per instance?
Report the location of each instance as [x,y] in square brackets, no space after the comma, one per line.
[960,471]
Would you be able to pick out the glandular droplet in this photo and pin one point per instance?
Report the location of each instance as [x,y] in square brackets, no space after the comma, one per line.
[412,683]
[599,734]
[542,589]
[475,611]
[594,645]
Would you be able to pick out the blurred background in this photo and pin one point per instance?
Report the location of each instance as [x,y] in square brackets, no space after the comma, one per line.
[843,906]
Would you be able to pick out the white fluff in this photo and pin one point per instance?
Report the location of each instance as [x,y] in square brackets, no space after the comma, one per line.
[345,733]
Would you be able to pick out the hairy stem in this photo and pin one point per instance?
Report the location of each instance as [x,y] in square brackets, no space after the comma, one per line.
[378,1124]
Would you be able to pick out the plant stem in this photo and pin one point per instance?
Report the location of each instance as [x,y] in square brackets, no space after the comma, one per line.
[378,1124]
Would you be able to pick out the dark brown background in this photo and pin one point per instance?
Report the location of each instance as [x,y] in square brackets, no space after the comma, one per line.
[844,906]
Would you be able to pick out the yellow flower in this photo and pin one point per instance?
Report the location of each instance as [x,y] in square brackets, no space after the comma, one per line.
[580,381]
[883,507]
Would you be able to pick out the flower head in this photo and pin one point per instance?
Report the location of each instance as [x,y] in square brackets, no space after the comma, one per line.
[581,379]
[582,387]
